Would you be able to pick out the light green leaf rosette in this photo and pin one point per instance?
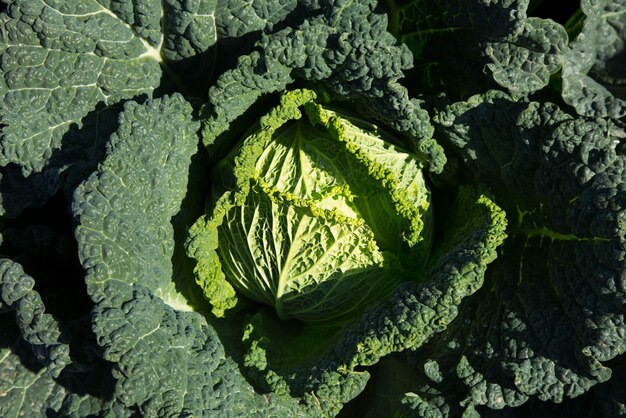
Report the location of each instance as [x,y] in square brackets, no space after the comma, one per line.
[320,214]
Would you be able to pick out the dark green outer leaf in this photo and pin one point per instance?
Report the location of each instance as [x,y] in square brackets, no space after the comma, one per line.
[37,327]
[37,375]
[54,73]
[68,65]
[554,307]
[462,47]
[346,47]
[167,360]
[605,400]
[594,71]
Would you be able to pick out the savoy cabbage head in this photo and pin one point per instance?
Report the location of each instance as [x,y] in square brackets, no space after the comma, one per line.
[317,214]
[312,208]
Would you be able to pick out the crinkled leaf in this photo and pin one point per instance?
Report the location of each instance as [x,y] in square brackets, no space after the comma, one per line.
[346,47]
[594,71]
[38,328]
[605,400]
[300,227]
[416,311]
[28,389]
[167,360]
[67,64]
[55,74]
[552,311]
[237,18]
[520,52]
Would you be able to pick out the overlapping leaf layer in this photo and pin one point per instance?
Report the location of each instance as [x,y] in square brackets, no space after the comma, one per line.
[454,171]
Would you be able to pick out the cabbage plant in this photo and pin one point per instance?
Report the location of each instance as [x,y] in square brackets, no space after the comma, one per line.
[312,208]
